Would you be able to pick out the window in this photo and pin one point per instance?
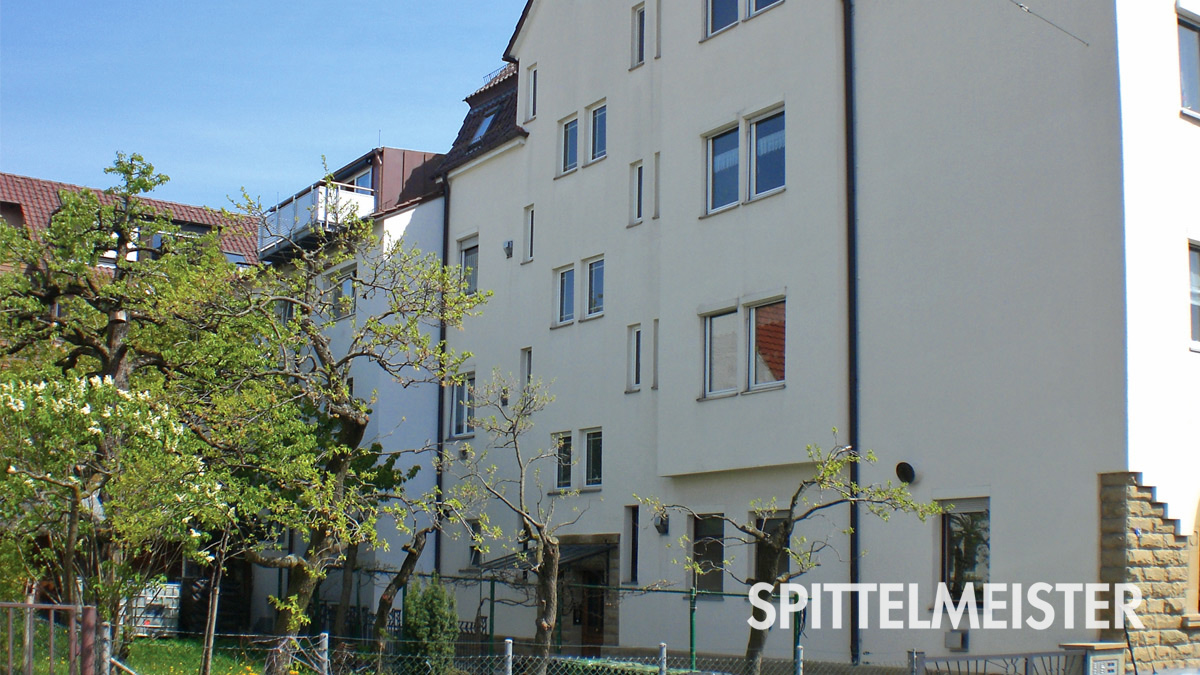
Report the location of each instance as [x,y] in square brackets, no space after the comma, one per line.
[531,106]
[708,552]
[468,257]
[1194,268]
[757,6]
[595,287]
[526,366]
[637,192]
[483,127]
[562,444]
[475,554]
[362,182]
[634,379]
[599,132]
[1189,66]
[723,170]
[529,214]
[767,162]
[566,295]
[570,145]
[768,328]
[594,457]
[462,407]
[341,293]
[721,14]
[639,35]
[783,560]
[720,353]
[966,536]
[633,528]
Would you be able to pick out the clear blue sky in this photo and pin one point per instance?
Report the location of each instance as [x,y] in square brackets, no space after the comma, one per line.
[220,95]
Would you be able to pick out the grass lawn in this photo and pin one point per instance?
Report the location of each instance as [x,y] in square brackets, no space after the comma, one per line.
[151,656]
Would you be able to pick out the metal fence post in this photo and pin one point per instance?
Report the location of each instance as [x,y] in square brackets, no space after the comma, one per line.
[662,658]
[323,653]
[105,648]
[799,659]
[916,662]
[508,658]
[87,642]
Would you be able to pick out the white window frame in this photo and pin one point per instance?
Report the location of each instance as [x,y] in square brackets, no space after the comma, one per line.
[531,94]
[528,235]
[526,366]
[592,265]
[751,10]
[589,480]
[472,277]
[637,192]
[708,353]
[564,473]
[595,153]
[337,281]
[1189,24]
[638,48]
[462,407]
[709,157]
[568,139]
[635,359]
[1194,291]
[752,335]
[560,317]
[753,154]
[709,30]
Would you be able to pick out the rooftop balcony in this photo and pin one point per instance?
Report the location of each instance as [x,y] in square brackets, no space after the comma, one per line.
[296,221]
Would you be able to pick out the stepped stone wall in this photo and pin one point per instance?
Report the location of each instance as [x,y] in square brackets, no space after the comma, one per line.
[1139,545]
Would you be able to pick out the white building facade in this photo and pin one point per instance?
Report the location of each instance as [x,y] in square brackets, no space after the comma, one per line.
[963,234]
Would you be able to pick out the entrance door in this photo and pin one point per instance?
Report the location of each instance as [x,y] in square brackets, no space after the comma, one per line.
[593,612]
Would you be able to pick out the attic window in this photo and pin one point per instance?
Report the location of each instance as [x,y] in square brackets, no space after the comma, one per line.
[483,127]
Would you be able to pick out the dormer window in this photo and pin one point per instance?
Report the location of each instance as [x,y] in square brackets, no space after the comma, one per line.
[483,127]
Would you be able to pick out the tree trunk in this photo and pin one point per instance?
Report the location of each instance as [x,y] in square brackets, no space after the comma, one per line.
[766,568]
[214,602]
[339,619]
[68,592]
[400,580]
[546,601]
[302,583]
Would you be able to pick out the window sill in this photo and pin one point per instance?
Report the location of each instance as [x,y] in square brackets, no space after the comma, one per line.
[758,389]
[635,223]
[717,211]
[526,261]
[562,324]
[461,437]
[718,395]
[596,160]
[592,317]
[568,172]
[1190,115]
[1195,347]
[633,390]
[769,193]
[636,66]
[590,488]
[1191,621]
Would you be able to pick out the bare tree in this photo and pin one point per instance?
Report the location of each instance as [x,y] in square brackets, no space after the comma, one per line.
[775,529]
[515,484]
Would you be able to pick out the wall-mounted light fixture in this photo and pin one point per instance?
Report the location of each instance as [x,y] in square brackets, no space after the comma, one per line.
[508,248]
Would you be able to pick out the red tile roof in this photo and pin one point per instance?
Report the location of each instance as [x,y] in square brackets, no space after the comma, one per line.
[39,200]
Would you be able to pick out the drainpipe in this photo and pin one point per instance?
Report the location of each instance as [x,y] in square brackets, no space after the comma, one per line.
[848,91]
[441,398]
